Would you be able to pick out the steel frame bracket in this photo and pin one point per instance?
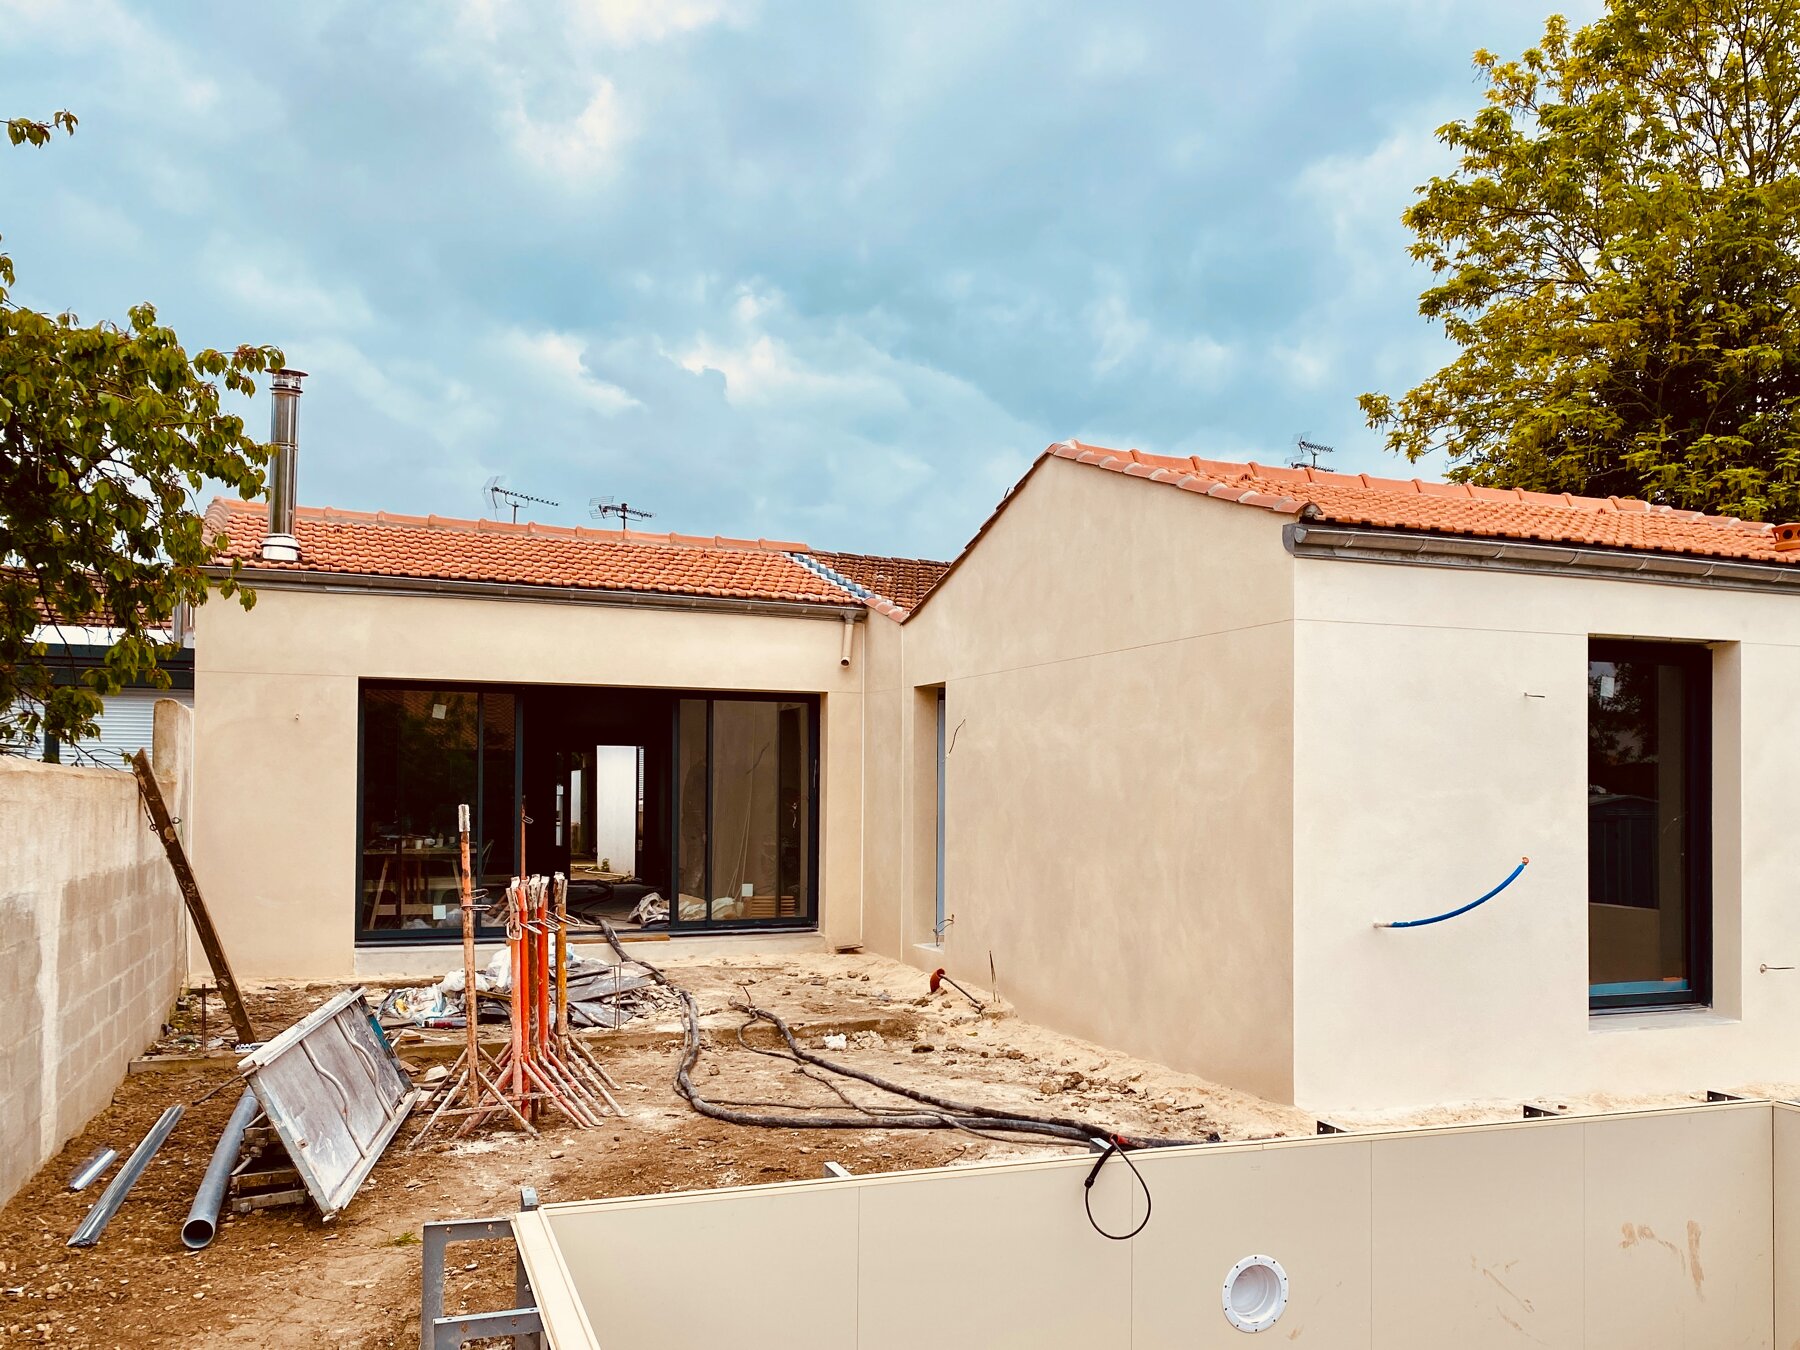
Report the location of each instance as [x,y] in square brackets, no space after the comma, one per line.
[438,1332]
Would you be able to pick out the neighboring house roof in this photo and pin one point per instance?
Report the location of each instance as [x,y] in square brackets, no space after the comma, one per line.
[904,581]
[380,544]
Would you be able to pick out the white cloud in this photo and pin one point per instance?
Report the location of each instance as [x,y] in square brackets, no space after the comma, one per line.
[1127,342]
[283,297]
[627,23]
[556,359]
[579,150]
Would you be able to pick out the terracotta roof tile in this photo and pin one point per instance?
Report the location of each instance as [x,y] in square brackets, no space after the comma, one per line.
[380,543]
[1428,506]
[904,581]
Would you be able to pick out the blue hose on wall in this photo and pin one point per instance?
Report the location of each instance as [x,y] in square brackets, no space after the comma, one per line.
[1451,914]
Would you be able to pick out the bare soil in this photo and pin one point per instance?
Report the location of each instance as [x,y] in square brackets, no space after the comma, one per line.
[279,1278]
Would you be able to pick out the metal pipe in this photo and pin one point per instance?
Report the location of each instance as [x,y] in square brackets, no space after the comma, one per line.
[279,545]
[849,633]
[203,1217]
[89,1171]
[114,1194]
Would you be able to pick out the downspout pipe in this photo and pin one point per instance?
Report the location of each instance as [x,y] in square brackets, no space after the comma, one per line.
[849,637]
[203,1217]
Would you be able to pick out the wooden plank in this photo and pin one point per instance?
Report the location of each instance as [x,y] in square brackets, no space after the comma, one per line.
[164,826]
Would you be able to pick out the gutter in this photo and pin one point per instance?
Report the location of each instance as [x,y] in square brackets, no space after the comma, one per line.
[301,579]
[1351,543]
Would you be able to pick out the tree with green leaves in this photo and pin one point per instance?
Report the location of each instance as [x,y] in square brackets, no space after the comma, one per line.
[107,434]
[1617,255]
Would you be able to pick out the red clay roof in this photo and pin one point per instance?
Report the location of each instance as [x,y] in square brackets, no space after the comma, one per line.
[901,580]
[1422,505]
[365,543]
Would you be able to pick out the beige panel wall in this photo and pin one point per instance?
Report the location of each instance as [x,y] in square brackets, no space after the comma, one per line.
[1119,780]
[1491,1236]
[1440,734]
[885,777]
[276,706]
[1785,1121]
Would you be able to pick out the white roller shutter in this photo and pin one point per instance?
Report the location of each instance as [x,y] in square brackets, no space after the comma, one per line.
[127,725]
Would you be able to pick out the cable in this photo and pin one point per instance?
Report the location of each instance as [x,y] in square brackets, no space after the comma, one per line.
[1114,1145]
[1451,914]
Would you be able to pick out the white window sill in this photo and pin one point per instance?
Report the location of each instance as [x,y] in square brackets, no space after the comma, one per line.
[1650,1019]
[931,948]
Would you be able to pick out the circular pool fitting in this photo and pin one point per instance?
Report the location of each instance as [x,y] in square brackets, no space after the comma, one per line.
[1255,1293]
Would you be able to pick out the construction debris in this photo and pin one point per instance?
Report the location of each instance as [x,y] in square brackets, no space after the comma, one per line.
[922,1110]
[120,1186]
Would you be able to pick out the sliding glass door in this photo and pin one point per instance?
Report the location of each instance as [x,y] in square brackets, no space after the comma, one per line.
[748,808]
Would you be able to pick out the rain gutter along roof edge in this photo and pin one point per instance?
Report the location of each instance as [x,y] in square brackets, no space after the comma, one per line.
[1359,543]
[293,579]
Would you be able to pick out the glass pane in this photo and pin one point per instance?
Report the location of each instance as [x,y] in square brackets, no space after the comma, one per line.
[746,764]
[1639,828]
[793,821]
[691,793]
[419,755]
[497,846]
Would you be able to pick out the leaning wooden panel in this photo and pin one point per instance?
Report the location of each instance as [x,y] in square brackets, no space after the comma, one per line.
[1785,1119]
[1679,1229]
[1003,1258]
[1477,1237]
[1304,1205]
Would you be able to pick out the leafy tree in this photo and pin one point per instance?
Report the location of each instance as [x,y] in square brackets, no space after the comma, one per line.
[1617,254]
[105,432]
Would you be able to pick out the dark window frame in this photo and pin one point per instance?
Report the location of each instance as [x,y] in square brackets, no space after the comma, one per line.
[1697,726]
[806,920]
[808,917]
[391,937]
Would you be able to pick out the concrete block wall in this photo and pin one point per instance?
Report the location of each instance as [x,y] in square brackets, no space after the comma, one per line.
[92,941]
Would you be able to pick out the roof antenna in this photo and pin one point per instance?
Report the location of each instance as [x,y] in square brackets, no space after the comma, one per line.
[602,507]
[498,497]
[1306,453]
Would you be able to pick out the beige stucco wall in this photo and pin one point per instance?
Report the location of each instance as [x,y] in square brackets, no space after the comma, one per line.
[1440,734]
[275,843]
[1117,657]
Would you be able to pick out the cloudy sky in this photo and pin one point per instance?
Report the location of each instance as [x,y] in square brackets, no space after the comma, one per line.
[826,271]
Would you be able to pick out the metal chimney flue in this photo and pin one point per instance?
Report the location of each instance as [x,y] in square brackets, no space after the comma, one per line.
[279,545]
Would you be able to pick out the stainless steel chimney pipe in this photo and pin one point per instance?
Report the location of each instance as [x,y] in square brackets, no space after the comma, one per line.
[279,545]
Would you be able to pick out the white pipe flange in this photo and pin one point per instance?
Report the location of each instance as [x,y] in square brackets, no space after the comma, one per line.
[1255,1293]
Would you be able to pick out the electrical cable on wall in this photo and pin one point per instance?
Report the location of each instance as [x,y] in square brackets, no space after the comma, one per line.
[1114,1145]
[1464,909]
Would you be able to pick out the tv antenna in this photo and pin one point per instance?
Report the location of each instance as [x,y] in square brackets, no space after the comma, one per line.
[498,497]
[602,507]
[1306,453]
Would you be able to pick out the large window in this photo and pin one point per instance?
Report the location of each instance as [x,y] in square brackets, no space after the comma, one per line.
[663,809]
[424,753]
[1649,823]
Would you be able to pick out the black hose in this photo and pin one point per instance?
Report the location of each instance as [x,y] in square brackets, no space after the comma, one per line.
[948,1115]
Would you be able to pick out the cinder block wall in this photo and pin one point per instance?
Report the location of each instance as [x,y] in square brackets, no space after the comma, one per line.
[91,941]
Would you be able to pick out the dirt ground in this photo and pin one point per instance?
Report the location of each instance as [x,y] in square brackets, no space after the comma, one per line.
[281,1277]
